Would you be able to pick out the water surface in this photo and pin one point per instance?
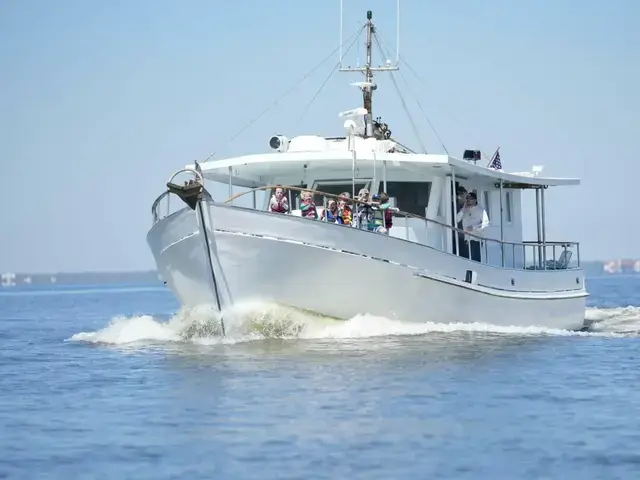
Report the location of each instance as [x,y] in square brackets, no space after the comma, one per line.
[115,382]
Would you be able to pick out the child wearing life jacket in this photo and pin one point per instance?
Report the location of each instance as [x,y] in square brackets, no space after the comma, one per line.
[381,209]
[364,216]
[344,210]
[308,207]
[388,210]
[331,213]
[278,202]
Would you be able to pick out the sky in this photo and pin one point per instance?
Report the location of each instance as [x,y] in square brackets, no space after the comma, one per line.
[100,102]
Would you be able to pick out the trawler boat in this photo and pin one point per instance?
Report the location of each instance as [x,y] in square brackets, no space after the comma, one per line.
[224,252]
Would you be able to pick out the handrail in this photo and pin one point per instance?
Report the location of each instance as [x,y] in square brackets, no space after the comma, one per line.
[190,170]
[360,202]
[154,206]
[338,197]
[503,243]
[538,262]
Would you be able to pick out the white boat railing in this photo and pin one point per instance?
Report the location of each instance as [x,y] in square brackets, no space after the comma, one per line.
[155,208]
[527,255]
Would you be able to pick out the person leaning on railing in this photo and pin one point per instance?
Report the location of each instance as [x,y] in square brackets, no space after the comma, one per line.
[278,202]
[381,207]
[331,214]
[344,210]
[308,207]
[364,212]
[474,220]
[461,244]
[388,210]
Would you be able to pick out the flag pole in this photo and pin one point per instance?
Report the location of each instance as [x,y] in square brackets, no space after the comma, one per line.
[485,155]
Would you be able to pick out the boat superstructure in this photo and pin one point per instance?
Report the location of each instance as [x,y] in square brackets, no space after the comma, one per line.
[228,251]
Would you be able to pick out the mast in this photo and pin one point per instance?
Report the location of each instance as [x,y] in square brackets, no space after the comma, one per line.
[367,91]
[368,86]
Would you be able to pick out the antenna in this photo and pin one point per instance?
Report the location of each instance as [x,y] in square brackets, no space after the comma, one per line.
[340,53]
[397,33]
[368,86]
[388,67]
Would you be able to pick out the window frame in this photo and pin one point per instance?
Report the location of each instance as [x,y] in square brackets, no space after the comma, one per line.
[508,214]
[428,184]
[486,202]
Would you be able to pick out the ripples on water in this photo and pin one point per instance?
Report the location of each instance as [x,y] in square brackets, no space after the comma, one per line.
[109,383]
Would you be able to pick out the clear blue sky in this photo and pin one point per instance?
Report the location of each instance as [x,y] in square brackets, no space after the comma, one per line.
[101,101]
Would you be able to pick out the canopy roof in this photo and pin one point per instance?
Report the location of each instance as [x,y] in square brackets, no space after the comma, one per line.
[261,169]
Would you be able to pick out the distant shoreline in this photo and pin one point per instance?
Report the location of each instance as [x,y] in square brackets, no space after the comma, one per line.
[80,278]
[151,277]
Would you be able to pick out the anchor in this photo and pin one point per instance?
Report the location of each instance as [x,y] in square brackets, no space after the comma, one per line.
[191,193]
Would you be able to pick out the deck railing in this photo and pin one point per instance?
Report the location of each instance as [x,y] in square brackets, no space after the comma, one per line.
[529,255]
[155,208]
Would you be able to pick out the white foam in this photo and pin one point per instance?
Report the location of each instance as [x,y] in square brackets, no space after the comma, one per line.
[123,330]
[615,320]
[258,321]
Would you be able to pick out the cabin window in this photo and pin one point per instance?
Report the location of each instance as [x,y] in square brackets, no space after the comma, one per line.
[486,203]
[411,197]
[336,188]
[509,202]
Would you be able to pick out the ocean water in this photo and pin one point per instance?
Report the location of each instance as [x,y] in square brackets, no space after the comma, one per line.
[116,382]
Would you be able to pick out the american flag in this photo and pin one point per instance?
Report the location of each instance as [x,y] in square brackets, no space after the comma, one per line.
[495,162]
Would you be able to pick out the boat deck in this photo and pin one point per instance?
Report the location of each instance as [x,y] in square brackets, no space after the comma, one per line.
[535,255]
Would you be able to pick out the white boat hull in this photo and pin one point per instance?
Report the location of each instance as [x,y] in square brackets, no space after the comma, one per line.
[342,272]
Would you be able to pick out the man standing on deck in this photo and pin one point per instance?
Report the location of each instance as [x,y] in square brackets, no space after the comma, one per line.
[461,198]
[474,220]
